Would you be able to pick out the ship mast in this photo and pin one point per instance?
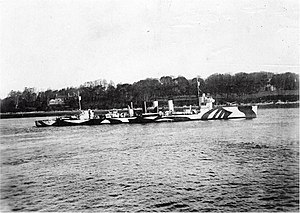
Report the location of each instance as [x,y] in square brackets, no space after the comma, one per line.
[17,102]
[79,99]
[198,92]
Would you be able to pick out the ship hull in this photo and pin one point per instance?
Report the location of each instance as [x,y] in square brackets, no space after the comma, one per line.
[218,113]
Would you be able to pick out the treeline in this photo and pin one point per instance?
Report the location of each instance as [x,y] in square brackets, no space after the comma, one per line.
[103,95]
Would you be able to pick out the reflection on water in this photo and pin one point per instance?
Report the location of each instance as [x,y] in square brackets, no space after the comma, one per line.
[243,165]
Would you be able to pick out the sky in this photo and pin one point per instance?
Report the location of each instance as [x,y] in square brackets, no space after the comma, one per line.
[54,44]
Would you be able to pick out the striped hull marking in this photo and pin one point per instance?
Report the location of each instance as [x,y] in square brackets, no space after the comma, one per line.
[118,120]
[114,121]
[164,120]
[178,118]
[43,123]
[249,111]
[218,113]
[140,120]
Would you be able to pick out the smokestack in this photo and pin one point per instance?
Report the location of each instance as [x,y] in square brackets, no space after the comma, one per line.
[145,107]
[171,105]
[203,98]
[130,111]
[155,105]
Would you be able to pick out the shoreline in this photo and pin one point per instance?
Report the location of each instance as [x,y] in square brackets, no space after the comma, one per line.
[98,111]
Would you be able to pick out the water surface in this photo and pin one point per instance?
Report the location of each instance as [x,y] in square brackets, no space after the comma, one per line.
[233,165]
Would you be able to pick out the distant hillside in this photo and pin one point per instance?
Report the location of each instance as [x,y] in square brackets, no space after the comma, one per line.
[225,88]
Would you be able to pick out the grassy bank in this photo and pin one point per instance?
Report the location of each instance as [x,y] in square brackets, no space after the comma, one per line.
[45,114]
[62,113]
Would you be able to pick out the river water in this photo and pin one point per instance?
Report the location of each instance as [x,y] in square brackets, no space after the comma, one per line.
[230,165]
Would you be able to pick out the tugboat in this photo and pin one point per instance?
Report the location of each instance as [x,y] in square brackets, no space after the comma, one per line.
[206,112]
